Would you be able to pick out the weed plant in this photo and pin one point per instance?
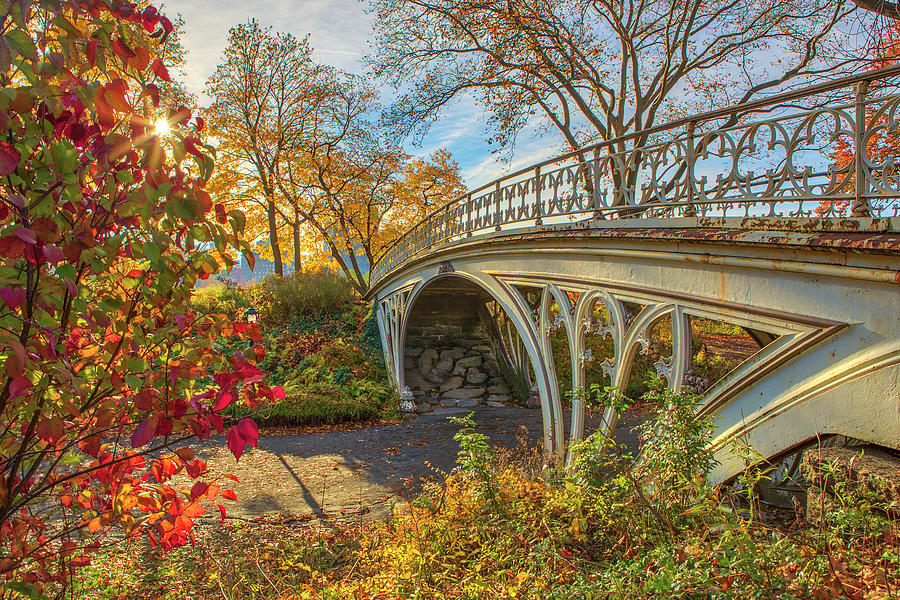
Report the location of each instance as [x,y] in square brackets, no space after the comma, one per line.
[609,527]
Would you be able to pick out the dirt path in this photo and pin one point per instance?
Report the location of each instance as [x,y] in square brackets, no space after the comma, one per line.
[345,474]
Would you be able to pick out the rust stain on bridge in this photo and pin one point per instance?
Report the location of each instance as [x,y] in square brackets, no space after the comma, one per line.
[845,240]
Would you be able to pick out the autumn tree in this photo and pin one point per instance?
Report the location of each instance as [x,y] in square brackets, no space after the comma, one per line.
[258,111]
[598,70]
[304,149]
[425,185]
[104,229]
[347,183]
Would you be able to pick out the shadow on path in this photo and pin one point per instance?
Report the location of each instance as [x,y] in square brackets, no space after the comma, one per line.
[342,474]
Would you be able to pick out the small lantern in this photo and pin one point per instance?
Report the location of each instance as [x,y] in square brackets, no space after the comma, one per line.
[251,315]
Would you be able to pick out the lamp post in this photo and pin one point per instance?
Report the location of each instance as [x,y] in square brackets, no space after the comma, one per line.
[251,314]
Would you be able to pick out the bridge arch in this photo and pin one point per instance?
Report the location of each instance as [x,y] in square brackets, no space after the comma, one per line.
[830,349]
[799,253]
[399,308]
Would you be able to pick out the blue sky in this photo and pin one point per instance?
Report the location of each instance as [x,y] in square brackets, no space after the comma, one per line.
[340,34]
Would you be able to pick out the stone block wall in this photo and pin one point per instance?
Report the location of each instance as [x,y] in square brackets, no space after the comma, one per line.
[448,357]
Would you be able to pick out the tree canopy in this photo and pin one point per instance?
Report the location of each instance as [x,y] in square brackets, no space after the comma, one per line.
[301,149]
[105,227]
[596,69]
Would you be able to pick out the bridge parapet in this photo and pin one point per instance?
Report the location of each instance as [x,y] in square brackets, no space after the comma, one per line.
[803,162]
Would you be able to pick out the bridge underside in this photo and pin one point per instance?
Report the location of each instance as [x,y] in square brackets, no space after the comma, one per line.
[789,335]
[451,348]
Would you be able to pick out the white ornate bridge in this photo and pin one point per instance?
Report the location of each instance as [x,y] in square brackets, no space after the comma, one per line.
[756,261]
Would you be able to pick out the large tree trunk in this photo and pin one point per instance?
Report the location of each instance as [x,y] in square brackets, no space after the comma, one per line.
[273,237]
[298,255]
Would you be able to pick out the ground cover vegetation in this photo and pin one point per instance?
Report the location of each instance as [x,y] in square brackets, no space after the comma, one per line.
[321,345]
[112,209]
[501,527]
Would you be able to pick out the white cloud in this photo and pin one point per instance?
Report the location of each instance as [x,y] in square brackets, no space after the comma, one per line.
[339,31]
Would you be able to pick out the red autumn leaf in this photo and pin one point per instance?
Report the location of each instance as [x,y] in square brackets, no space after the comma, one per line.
[50,430]
[249,431]
[193,510]
[212,491]
[105,114]
[13,297]
[203,200]
[122,49]
[230,495]
[235,443]
[11,247]
[26,235]
[180,115]
[90,445]
[166,24]
[196,468]
[71,287]
[18,350]
[12,367]
[186,454]
[9,158]
[159,69]
[199,489]
[223,400]
[150,17]
[115,97]
[222,513]
[141,59]
[143,433]
[192,148]
[152,90]
[67,548]
[91,51]
[200,124]
[18,386]
[278,392]
[46,229]
[234,478]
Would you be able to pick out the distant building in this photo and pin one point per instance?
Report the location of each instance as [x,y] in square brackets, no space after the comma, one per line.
[242,274]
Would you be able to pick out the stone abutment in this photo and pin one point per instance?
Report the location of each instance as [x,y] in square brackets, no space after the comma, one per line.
[450,358]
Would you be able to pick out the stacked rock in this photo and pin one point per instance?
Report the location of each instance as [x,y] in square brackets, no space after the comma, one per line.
[455,377]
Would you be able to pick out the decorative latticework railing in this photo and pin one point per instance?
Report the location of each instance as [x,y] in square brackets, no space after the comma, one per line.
[803,161]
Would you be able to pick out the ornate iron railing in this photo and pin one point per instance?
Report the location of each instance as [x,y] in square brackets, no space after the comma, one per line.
[802,162]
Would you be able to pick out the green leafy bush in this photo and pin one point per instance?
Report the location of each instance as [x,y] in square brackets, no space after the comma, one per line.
[307,294]
[325,403]
[226,298]
[326,382]
[320,343]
